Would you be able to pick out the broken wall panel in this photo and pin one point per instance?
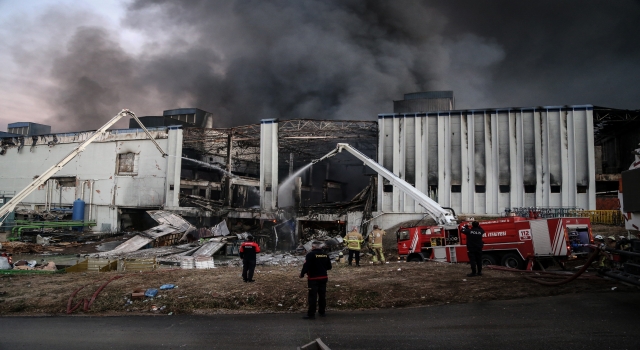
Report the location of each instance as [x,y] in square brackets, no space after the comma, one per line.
[489,160]
[98,180]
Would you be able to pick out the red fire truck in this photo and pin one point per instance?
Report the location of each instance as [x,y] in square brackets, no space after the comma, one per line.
[512,241]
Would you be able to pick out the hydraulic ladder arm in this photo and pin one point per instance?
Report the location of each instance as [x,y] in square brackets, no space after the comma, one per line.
[439,214]
[40,180]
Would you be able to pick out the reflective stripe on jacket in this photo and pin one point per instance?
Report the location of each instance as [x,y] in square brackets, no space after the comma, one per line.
[354,240]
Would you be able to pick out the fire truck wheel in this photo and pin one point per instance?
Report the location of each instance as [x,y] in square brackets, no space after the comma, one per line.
[513,261]
[414,258]
[488,260]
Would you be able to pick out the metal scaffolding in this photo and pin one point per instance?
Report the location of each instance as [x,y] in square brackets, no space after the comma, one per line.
[306,139]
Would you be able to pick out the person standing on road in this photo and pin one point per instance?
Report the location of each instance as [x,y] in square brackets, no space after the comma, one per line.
[315,266]
[354,240]
[375,240]
[474,247]
[248,251]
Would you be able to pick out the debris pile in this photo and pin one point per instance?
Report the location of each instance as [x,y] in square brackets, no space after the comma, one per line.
[200,202]
[22,248]
[331,239]
[174,242]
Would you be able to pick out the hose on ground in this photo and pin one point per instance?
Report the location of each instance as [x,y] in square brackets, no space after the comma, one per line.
[87,303]
[595,254]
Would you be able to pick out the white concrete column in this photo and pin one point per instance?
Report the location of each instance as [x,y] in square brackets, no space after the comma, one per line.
[268,164]
[174,167]
[571,163]
[444,160]
[466,160]
[381,140]
[514,163]
[591,160]
[564,160]
[537,137]
[546,169]
[493,162]
[518,186]
[396,161]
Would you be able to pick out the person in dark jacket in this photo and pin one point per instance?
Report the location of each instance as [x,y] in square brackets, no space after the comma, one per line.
[474,247]
[316,264]
[248,251]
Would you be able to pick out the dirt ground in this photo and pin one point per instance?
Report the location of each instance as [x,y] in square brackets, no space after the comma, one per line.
[279,289]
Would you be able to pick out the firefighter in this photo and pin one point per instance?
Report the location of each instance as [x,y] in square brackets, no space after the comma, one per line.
[598,240]
[375,240]
[623,244]
[248,251]
[474,247]
[354,240]
[315,266]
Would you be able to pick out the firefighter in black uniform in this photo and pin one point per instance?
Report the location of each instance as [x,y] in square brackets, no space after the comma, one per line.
[316,264]
[474,247]
[248,250]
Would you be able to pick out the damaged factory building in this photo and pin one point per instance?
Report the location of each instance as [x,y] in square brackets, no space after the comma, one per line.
[266,179]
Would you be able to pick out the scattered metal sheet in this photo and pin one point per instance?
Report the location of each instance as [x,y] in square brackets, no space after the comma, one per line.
[151,252]
[220,229]
[164,217]
[203,262]
[141,240]
[314,345]
[209,248]
[158,231]
[130,245]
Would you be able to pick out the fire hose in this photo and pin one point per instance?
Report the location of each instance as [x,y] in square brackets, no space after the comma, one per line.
[87,303]
[595,253]
[584,268]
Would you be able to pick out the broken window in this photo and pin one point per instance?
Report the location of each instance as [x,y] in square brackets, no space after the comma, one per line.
[65,181]
[127,164]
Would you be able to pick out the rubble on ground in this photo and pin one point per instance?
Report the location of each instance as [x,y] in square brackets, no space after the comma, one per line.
[176,242]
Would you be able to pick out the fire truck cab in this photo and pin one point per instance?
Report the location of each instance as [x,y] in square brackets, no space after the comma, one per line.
[509,241]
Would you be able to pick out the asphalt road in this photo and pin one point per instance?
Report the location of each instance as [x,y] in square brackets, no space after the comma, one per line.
[608,320]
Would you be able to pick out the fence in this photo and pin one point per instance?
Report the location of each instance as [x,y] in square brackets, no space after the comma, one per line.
[606,217]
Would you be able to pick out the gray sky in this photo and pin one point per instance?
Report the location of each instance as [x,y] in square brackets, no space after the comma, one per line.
[75,64]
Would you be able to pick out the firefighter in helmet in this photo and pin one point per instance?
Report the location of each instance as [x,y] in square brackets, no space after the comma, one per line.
[623,244]
[598,240]
[375,240]
[354,240]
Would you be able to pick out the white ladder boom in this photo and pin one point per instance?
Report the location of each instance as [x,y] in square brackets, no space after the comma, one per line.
[40,180]
[439,214]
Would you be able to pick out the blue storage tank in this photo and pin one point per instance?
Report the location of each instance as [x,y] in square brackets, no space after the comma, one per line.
[78,212]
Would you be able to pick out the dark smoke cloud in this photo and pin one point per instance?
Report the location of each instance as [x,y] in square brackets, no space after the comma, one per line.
[94,73]
[247,60]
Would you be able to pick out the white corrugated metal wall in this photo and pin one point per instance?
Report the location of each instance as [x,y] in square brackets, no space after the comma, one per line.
[483,161]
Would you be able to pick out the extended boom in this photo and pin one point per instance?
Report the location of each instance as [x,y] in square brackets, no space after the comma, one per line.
[439,214]
[40,180]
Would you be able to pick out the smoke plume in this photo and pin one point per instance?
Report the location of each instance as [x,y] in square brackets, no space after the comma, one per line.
[245,60]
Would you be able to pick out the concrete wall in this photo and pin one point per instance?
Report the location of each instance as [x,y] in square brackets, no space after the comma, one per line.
[268,164]
[96,167]
[483,161]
